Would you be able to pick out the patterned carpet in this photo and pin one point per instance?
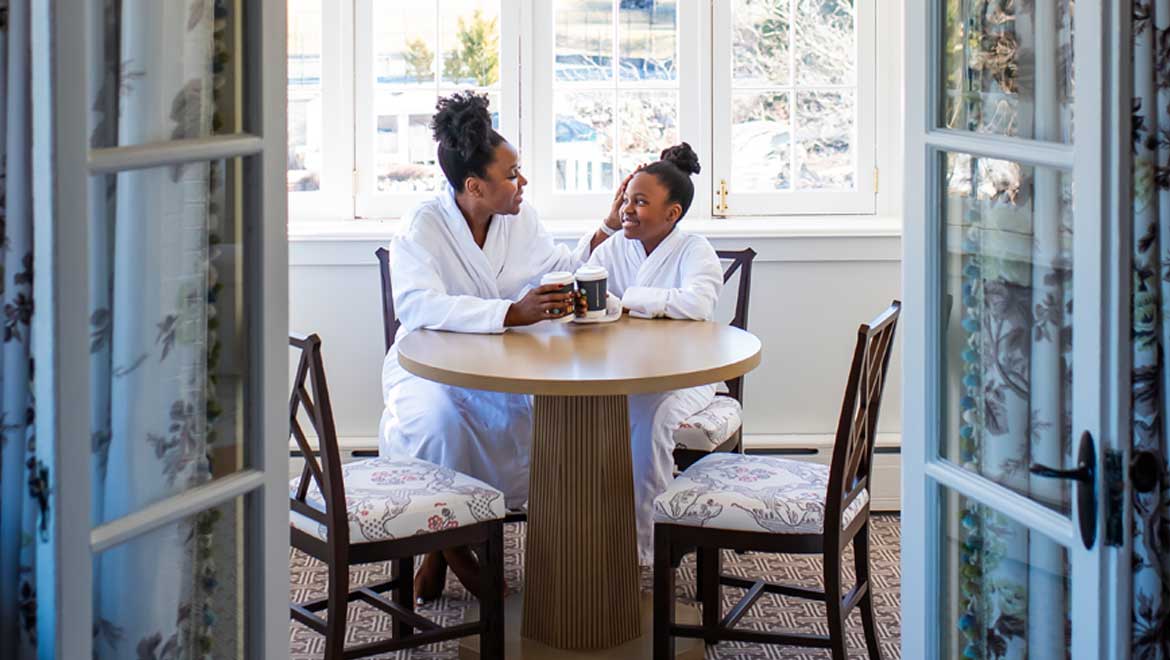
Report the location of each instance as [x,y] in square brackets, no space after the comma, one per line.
[769,613]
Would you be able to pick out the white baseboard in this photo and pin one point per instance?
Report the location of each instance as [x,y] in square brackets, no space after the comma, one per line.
[817,447]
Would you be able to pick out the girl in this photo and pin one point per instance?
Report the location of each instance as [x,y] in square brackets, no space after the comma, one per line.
[659,270]
[465,261]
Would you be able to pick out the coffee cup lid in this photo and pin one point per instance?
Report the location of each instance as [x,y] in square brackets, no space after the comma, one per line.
[589,273]
[557,277]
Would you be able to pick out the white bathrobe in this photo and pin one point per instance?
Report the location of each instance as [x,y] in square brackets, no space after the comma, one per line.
[681,279]
[442,280]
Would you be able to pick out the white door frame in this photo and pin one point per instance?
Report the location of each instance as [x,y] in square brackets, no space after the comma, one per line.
[63,165]
[1100,586]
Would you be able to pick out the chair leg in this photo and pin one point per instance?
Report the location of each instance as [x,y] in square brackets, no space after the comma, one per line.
[832,562]
[663,595]
[403,572]
[709,562]
[861,567]
[338,594]
[491,597]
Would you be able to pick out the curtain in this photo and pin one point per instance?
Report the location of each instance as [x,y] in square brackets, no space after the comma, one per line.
[157,71]
[18,510]
[1151,322]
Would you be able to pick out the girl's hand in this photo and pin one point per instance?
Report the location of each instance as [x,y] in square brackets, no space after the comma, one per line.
[613,220]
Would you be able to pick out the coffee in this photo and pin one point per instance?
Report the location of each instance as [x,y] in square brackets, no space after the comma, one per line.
[591,287]
[565,279]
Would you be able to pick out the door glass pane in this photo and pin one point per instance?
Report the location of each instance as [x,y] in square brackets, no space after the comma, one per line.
[167,333]
[583,151]
[305,121]
[1003,589]
[1008,68]
[174,592]
[1007,322]
[162,71]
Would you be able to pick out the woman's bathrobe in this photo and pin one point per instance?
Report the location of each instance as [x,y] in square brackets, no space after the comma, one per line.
[443,281]
[681,279]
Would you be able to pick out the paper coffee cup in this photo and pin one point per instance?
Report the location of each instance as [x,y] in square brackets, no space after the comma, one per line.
[592,285]
[565,279]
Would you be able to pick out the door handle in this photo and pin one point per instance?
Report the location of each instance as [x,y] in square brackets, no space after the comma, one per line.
[1085,476]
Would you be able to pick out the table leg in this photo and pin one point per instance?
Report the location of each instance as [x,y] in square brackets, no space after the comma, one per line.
[581,569]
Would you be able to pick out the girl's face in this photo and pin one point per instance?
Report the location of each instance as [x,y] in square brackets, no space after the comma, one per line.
[647,213]
[502,188]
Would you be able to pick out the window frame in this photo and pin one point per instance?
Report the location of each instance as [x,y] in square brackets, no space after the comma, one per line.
[862,200]
[369,203]
[348,189]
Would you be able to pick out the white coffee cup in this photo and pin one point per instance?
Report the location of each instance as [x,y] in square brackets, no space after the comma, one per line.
[565,279]
[592,284]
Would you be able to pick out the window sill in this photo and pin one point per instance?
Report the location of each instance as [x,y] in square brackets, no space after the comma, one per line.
[823,226]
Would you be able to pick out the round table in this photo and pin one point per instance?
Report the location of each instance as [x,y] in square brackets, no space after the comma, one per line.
[581,568]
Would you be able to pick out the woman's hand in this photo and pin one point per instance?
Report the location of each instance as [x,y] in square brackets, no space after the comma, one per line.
[543,302]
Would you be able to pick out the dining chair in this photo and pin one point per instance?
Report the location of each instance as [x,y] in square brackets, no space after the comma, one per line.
[719,426]
[379,510]
[747,502]
[390,325]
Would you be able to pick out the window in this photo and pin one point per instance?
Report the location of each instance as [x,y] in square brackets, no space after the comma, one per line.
[776,96]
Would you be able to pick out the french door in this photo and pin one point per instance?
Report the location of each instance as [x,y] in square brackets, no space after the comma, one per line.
[161,328]
[1015,332]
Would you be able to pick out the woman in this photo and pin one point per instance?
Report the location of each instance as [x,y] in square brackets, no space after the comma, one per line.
[468,261]
[660,271]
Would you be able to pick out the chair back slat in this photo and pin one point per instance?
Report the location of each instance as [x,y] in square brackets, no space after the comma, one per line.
[389,318]
[741,261]
[310,394]
[852,462]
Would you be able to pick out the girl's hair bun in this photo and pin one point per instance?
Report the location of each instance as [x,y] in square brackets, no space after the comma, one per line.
[683,157]
[463,124]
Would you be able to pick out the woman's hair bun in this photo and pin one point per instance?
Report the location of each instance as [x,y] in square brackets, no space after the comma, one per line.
[683,157]
[463,124]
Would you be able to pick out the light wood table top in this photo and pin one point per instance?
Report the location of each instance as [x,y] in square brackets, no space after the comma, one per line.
[628,356]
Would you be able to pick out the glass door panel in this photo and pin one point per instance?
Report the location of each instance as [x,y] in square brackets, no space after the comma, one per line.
[1005,588]
[1007,68]
[1007,324]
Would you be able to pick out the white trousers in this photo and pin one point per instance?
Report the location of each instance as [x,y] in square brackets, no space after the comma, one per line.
[653,419]
[486,435]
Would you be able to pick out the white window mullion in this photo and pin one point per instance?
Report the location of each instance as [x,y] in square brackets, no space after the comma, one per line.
[363,116]
[720,66]
[693,62]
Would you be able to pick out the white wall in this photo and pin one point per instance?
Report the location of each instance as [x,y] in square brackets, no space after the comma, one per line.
[809,293]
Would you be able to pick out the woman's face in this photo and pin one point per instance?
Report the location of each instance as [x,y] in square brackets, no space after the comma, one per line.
[647,212]
[502,188]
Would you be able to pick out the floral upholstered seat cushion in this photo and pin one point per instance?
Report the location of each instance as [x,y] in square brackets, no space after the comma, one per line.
[710,427]
[391,498]
[751,493]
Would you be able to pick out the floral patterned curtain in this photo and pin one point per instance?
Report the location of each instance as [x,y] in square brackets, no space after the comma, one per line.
[157,75]
[1151,323]
[17,506]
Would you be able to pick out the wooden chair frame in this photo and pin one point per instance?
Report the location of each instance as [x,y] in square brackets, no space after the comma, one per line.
[410,629]
[849,475]
[390,326]
[741,260]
